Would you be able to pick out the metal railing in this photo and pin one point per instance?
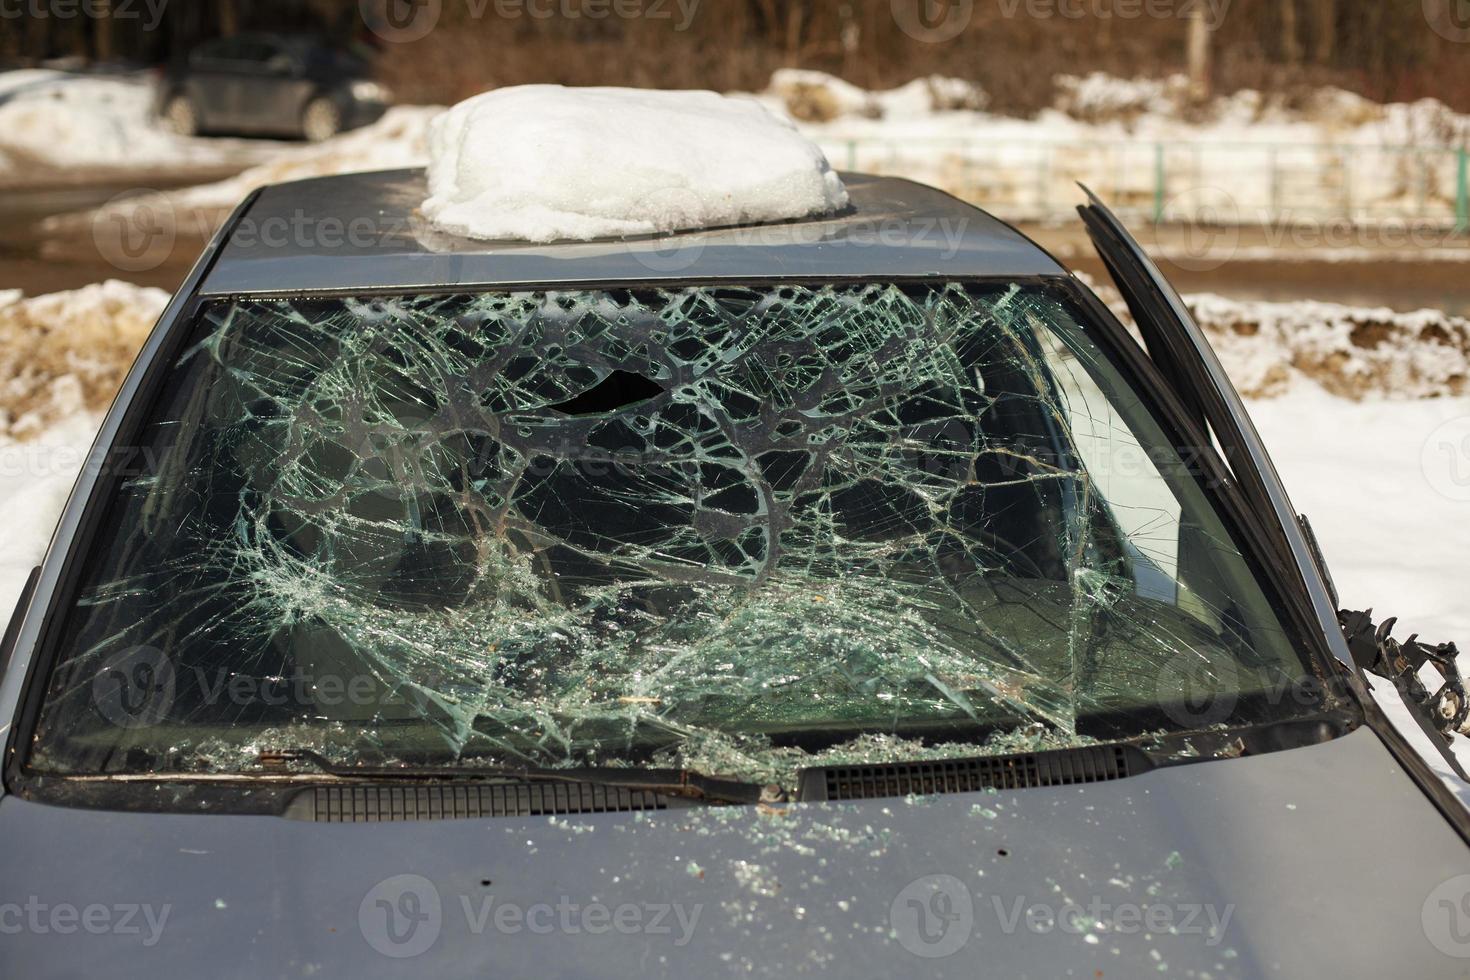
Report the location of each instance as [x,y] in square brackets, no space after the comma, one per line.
[1224,183]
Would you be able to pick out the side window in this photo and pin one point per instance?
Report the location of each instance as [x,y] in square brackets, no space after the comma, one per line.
[216,52]
[255,52]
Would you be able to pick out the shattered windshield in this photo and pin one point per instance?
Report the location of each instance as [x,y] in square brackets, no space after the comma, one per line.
[737,529]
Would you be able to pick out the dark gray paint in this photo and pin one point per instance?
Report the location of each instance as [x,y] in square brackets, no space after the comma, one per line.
[1290,840]
[361,232]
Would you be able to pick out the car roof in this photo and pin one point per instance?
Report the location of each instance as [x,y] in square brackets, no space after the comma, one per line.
[363,232]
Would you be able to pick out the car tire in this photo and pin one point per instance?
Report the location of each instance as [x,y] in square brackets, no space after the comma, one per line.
[180,116]
[321,120]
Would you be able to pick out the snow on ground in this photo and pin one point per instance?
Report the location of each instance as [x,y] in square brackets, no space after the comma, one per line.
[1286,161]
[1386,486]
[398,139]
[65,353]
[1353,352]
[54,119]
[1242,158]
[36,477]
[627,162]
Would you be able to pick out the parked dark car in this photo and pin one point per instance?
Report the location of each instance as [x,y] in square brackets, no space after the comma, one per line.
[852,597]
[276,84]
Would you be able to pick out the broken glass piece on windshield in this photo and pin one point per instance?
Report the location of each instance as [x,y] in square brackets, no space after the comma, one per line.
[727,525]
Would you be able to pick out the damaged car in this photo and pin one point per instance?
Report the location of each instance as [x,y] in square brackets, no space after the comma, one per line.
[803,601]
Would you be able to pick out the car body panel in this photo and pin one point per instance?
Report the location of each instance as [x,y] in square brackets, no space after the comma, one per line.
[1291,844]
[1258,846]
[361,232]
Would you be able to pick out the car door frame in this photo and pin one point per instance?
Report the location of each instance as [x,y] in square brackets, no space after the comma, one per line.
[1188,364]
[1196,382]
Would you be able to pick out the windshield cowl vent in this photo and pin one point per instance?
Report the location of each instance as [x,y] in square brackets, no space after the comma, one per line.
[1067,767]
[381,804]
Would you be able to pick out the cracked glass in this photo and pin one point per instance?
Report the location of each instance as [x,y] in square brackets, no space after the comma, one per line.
[737,529]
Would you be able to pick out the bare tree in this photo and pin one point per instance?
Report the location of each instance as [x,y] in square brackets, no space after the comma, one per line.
[1325,30]
[1291,48]
[1200,57]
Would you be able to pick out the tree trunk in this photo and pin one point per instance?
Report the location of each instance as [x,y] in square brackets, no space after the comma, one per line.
[1291,48]
[103,48]
[1200,70]
[1326,32]
[229,17]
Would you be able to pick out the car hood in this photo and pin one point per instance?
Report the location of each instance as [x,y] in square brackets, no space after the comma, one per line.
[1315,861]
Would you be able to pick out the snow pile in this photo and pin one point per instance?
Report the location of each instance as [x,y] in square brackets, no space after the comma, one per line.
[544,162]
[398,139]
[65,353]
[56,119]
[1248,157]
[36,477]
[815,96]
[1102,98]
[1352,352]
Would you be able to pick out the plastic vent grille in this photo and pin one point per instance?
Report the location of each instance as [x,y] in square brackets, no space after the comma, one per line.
[378,804]
[1091,764]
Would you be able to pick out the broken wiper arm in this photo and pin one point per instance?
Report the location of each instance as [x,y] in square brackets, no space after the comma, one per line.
[666,782]
[1442,714]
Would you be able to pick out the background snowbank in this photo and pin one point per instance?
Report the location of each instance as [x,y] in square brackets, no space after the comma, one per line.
[66,353]
[56,119]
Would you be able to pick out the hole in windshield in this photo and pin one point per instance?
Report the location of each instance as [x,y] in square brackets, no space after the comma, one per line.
[618,390]
[734,529]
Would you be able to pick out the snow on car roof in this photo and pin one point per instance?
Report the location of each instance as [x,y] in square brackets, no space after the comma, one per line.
[363,232]
[543,163]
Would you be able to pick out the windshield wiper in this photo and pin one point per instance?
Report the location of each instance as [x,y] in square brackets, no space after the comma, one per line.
[665,782]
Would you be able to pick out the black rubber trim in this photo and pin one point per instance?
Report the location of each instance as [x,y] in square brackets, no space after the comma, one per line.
[392,804]
[12,630]
[1066,767]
